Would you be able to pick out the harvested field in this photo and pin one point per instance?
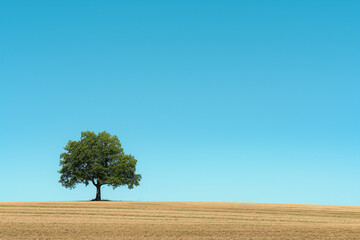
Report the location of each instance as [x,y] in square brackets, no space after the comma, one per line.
[176,220]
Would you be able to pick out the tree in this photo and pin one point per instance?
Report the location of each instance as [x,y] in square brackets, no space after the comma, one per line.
[98,159]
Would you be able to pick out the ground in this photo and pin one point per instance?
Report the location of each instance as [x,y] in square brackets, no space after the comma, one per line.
[176,220]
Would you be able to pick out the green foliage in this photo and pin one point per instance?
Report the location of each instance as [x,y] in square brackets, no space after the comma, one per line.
[97,159]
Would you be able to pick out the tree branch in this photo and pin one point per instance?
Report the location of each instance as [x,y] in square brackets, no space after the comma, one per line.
[92,180]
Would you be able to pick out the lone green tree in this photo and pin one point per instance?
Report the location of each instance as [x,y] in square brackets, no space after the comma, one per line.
[98,159]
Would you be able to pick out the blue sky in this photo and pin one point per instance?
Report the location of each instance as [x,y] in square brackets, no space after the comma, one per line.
[241,101]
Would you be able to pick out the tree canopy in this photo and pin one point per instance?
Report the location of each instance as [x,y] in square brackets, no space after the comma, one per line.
[98,159]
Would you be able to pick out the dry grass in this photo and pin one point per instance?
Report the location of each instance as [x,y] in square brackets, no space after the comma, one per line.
[176,220]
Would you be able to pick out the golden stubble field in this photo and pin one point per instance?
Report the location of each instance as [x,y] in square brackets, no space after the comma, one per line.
[176,220]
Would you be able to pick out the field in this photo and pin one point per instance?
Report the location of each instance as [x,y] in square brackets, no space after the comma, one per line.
[176,220]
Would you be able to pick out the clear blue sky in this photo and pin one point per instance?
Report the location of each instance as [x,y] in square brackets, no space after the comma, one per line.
[243,101]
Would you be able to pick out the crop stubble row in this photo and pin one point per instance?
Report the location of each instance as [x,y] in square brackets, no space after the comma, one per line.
[176,220]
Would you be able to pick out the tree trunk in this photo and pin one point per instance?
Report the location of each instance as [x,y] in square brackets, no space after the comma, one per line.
[98,193]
